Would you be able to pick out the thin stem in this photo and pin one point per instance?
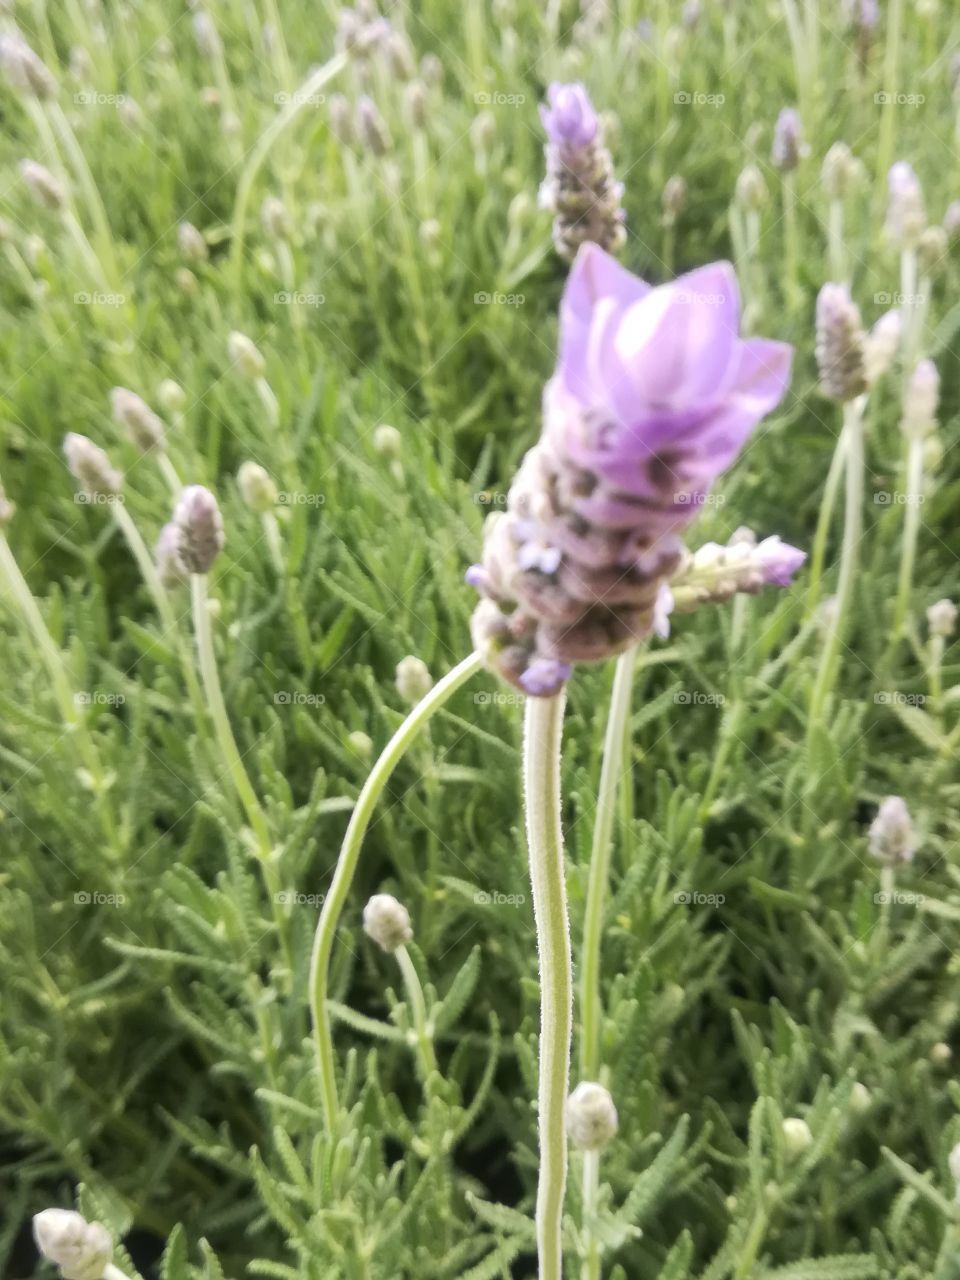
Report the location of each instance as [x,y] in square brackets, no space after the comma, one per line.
[591,1003]
[849,555]
[411,980]
[791,244]
[169,473]
[837,241]
[827,506]
[63,691]
[891,85]
[88,188]
[541,772]
[591,1187]
[347,864]
[268,140]
[911,531]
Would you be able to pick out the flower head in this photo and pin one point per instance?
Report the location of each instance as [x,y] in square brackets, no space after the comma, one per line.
[906,215]
[653,396]
[387,922]
[942,618]
[413,679]
[90,466]
[24,69]
[841,344]
[921,400]
[42,185]
[788,144]
[569,117]
[199,529]
[579,187]
[892,838]
[592,1119]
[139,421]
[79,1248]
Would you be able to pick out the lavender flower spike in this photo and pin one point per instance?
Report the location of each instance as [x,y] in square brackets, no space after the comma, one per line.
[841,344]
[653,396]
[714,573]
[788,146]
[580,188]
[906,214]
[199,529]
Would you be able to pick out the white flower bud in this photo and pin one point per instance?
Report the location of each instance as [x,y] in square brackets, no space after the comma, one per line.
[190,242]
[921,400]
[206,35]
[82,1250]
[90,466]
[245,355]
[796,1136]
[361,743]
[171,397]
[891,837]
[24,69]
[591,1117]
[388,442]
[751,190]
[275,219]
[42,185]
[942,618]
[257,489]
[136,417]
[861,1098]
[387,922]
[940,1054]
[413,679]
[841,171]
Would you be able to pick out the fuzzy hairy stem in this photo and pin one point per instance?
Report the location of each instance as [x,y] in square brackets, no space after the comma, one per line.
[411,980]
[614,749]
[590,1269]
[347,864]
[543,728]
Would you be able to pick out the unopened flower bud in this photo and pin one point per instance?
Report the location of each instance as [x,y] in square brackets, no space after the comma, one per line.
[90,466]
[82,1250]
[170,567]
[932,249]
[387,922]
[24,69]
[940,1054]
[171,397]
[257,489]
[190,242]
[42,185]
[942,618]
[186,281]
[891,838]
[840,344]
[341,121]
[430,231]
[796,1136]
[199,527]
[882,345]
[275,219]
[413,679]
[751,190]
[591,1117]
[520,211]
[860,1098]
[415,101]
[206,35]
[245,356]
[371,129]
[840,171]
[139,421]
[788,144]
[674,199]
[400,55]
[388,442]
[906,215]
[431,68]
[921,399]
[361,743]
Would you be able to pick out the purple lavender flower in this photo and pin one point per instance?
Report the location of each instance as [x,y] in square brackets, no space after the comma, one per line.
[906,214]
[841,346]
[579,188]
[653,396]
[199,529]
[787,141]
[570,119]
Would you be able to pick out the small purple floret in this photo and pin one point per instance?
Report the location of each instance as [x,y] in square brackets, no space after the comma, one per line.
[570,119]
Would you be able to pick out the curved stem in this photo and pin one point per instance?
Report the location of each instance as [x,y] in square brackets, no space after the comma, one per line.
[347,864]
[169,473]
[411,980]
[543,728]
[268,139]
[911,532]
[827,506]
[591,1003]
[849,555]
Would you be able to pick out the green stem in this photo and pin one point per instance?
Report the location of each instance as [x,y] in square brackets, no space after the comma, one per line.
[791,244]
[169,473]
[849,555]
[891,85]
[911,531]
[541,772]
[347,864]
[265,145]
[91,195]
[591,1003]
[827,506]
[591,1187]
[411,980]
[837,241]
[233,761]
